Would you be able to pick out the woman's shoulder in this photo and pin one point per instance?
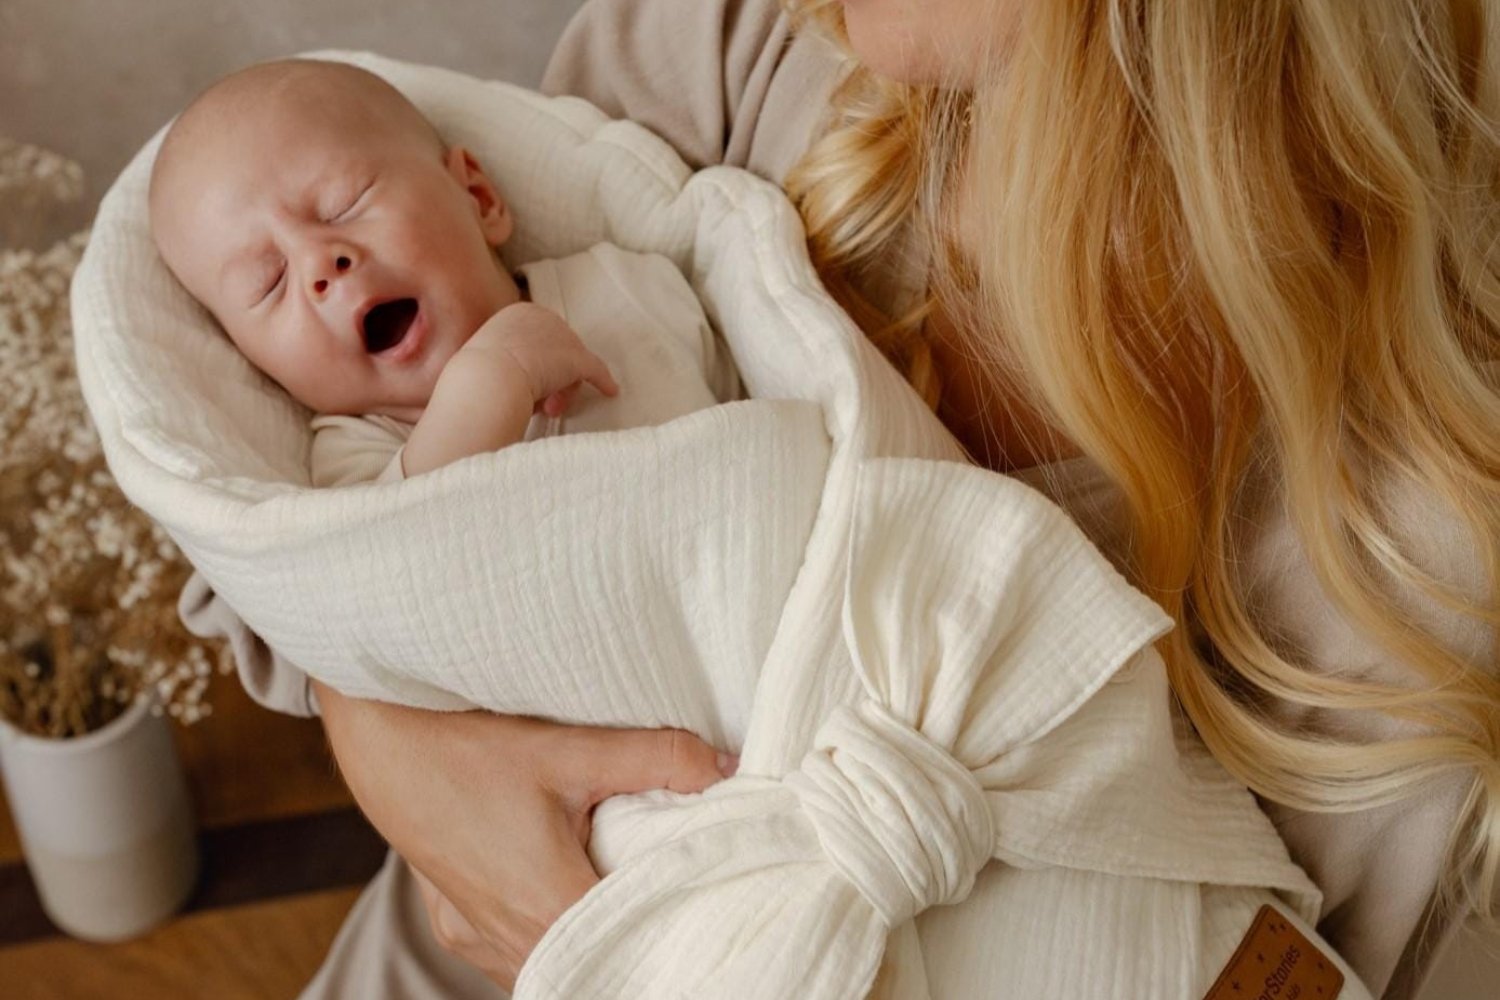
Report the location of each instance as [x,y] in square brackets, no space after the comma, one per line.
[723,81]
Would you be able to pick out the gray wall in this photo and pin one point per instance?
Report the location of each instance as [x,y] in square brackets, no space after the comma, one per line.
[93,79]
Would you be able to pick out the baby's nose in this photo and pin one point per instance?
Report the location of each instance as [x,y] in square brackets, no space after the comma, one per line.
[340,264]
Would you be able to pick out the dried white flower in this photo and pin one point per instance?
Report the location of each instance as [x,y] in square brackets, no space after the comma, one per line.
[89,585]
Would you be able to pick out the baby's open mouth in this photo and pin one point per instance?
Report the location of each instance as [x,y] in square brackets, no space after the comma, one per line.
[386,324]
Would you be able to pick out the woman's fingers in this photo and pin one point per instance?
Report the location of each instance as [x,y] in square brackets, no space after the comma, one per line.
[449,927]
[447,788]
[605,762]
[498,939]
[457,936]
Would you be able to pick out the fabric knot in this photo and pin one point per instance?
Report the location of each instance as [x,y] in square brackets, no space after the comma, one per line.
[902,820]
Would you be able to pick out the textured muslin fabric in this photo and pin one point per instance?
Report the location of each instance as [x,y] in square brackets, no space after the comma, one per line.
[634,311]
[926,667]
[1022,716]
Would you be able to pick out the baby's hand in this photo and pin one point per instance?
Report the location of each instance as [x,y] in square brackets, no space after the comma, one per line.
[546,350]
[523,359]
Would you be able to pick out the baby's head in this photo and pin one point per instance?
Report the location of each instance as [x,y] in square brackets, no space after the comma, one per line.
[345,249]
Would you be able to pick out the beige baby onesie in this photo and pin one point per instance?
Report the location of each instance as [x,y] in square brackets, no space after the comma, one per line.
[636,311]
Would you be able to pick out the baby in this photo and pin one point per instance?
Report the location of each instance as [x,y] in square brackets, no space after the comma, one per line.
[350,255]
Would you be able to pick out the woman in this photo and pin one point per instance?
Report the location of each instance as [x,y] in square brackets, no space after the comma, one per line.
[1217,277]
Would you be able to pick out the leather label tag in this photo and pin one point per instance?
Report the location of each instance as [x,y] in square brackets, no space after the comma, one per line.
[1276,961]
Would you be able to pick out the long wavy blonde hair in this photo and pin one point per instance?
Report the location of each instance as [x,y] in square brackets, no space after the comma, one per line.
[1207,229]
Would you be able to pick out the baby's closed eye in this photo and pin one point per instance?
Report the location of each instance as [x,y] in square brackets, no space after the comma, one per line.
[270,283]
[346,201]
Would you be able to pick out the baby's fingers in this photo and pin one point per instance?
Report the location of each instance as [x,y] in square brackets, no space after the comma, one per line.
[587,368]
[557,404]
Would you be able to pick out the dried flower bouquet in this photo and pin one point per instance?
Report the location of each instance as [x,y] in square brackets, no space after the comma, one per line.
[88,583]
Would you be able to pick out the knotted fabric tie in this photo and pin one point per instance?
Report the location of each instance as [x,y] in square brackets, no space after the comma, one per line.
[902,820]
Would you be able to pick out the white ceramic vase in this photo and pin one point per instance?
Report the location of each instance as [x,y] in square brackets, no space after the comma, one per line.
[105,824]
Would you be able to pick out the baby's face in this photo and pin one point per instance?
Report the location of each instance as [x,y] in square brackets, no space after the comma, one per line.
[347,260]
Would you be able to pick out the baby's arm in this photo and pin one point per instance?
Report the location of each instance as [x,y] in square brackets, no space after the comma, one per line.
[524,358]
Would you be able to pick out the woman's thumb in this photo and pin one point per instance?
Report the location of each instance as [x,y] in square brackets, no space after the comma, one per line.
[637,760]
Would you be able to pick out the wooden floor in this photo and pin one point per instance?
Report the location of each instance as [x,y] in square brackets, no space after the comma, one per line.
[284,856]
[257,951]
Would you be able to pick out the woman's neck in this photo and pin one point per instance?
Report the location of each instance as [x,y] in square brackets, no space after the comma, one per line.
[998,428]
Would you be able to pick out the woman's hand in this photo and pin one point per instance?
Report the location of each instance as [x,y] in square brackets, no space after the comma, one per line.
[494,811]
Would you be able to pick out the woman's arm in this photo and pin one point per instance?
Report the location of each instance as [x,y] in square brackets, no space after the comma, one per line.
[494,811]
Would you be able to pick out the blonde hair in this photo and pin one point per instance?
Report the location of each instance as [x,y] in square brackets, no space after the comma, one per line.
[1218,236]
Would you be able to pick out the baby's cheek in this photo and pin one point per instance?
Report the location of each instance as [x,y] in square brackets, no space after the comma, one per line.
[319,383]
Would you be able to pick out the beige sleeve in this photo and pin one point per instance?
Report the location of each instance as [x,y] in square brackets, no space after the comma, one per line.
[270,680]
[695,72]
[349,450]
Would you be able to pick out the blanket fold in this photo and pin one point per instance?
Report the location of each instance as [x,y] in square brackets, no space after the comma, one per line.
[975,652]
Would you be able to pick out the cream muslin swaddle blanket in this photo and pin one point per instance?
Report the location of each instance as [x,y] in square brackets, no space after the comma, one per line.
[926,666]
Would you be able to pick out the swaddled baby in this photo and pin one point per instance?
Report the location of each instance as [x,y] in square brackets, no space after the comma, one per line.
[350,255]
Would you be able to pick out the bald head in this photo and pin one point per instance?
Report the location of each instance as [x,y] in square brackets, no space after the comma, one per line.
[291,196]
[301,94]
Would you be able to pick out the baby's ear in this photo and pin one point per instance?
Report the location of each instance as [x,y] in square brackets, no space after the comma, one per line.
[495,220]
